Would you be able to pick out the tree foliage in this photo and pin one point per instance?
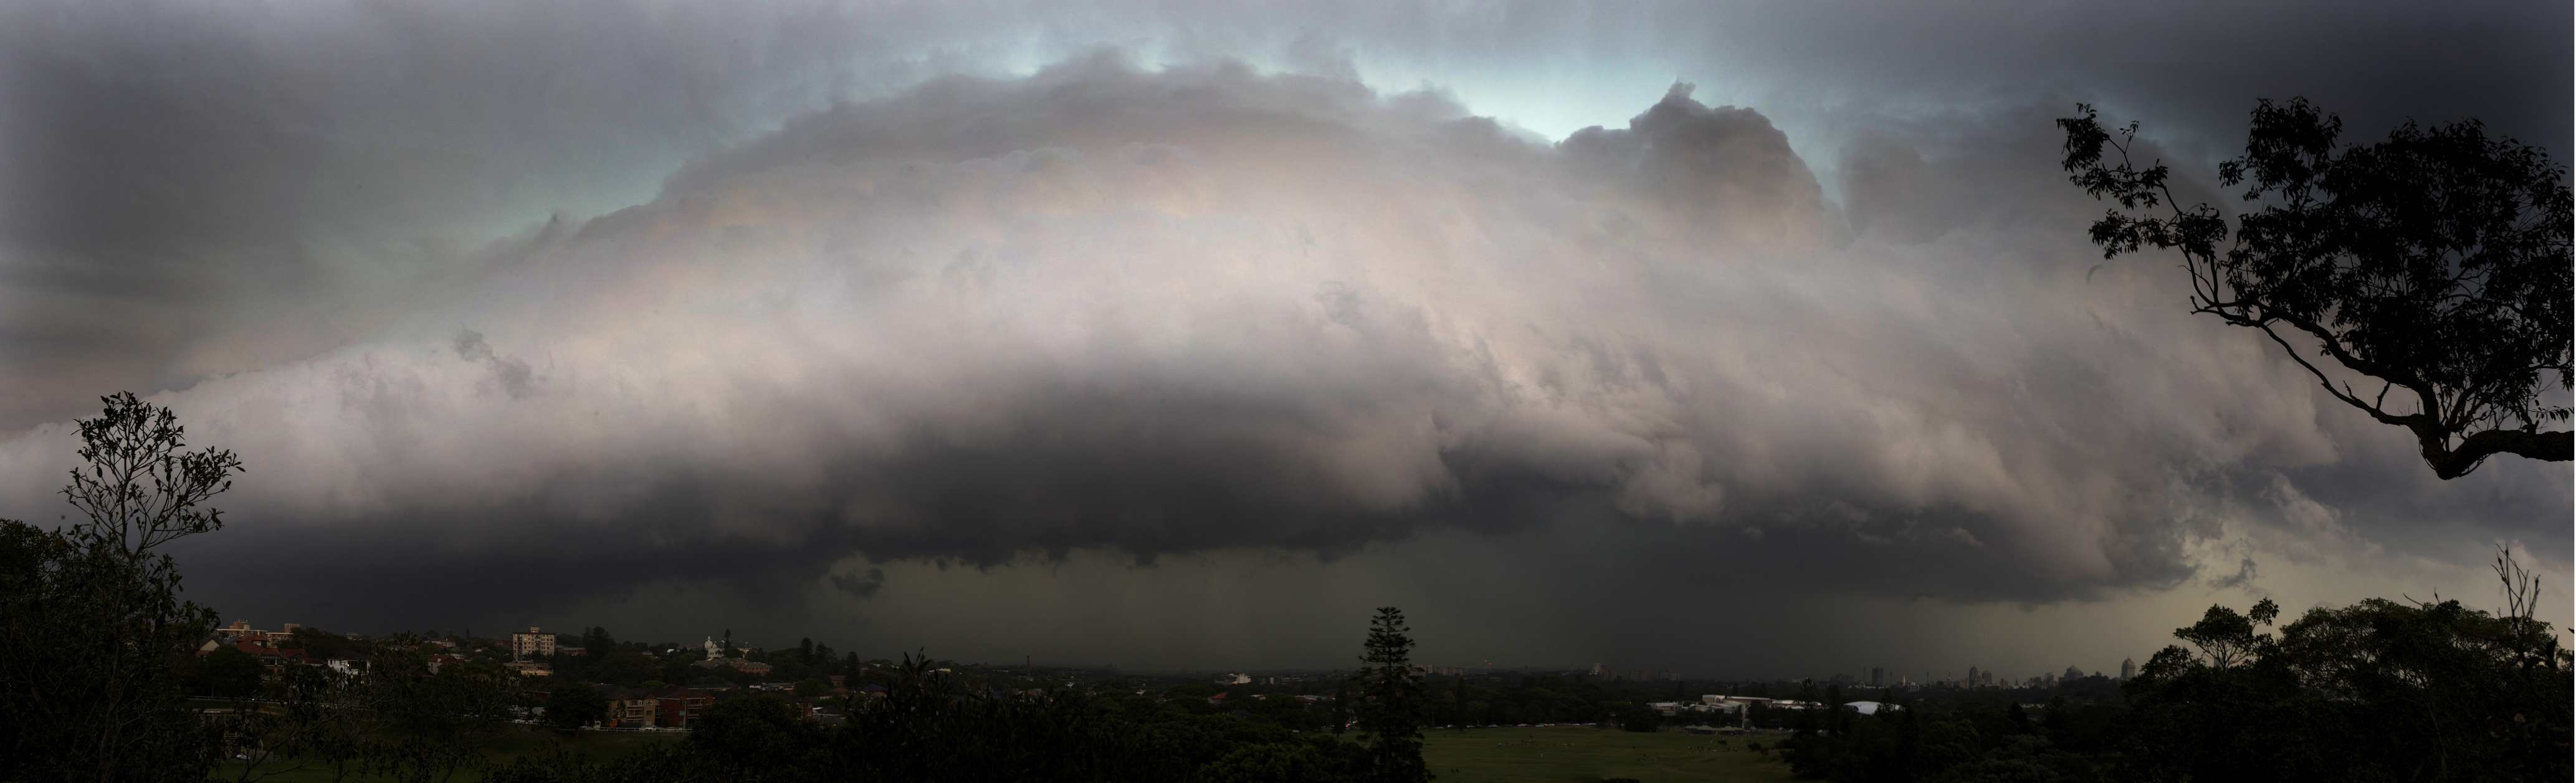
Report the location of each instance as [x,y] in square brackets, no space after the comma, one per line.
[92,625]
[431,725]
[1391,702]
[2434,263]
[572,705]
[2379,690]
[228,673]
[935,726]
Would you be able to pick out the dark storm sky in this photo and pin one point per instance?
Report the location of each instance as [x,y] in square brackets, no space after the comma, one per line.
[1751,340]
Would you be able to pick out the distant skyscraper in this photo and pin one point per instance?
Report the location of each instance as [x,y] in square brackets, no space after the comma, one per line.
[2128,668]
[1877,677]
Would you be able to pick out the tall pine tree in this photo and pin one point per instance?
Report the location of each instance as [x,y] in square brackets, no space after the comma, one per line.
[1342,705]
[1390,710]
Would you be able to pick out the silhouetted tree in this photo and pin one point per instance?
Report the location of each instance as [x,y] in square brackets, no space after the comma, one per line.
[572,705]
[1390,710]
[1837,717]
[1274,762]
[756,738]
[1341,705]
[431,726]
[91,619]
[228,673]
[1633,717]
[595,642]
[2435,263]
[321,645]
[1462,717]
[2379,690]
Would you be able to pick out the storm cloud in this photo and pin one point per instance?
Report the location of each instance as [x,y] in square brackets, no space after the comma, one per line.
[871,305]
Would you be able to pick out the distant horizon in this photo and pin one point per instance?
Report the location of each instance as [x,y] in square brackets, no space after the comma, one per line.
[1616,671]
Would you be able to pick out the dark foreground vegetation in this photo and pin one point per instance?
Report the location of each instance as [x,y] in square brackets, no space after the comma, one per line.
[929,727]
[2381,690]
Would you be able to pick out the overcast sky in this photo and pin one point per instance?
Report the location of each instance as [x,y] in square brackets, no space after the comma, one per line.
[1753,340]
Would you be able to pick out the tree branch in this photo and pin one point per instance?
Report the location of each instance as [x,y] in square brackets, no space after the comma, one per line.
[2383,416]
[2456,462]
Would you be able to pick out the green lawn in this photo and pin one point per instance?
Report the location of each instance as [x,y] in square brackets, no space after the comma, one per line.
[525,742]
[1565,753]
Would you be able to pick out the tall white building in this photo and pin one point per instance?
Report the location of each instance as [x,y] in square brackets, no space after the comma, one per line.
[535,643]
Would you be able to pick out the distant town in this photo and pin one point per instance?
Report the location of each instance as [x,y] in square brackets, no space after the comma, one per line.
[665,686]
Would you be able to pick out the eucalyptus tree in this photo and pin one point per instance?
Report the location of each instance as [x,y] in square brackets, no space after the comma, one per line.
[2433,265]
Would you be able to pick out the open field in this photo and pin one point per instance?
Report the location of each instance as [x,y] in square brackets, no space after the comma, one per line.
[1569,753]
[527,742]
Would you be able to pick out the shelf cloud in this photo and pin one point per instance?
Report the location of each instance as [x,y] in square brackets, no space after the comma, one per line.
[994,318]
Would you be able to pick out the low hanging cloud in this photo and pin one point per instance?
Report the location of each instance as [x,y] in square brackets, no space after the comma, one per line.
[1202,307]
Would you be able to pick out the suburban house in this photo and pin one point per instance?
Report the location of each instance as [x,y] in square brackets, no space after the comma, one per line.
[677,707]
[240,630]
[272,660]
[632,710]
[670,707]
[754,668]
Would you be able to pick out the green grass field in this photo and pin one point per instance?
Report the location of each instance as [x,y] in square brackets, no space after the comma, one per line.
[525,742]
[1566,753]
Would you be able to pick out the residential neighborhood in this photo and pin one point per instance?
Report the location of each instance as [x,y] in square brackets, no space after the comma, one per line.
[639,687]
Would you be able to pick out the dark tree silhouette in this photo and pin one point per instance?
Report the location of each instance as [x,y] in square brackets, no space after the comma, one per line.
[1341,705]
[1390,710]
[572,705]
[2380,690]
[2435,263]
[2223,639]
[140,488]
[91,618]
[229,673]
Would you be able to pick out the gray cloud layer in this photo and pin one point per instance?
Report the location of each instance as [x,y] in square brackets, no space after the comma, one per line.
[1151,310]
